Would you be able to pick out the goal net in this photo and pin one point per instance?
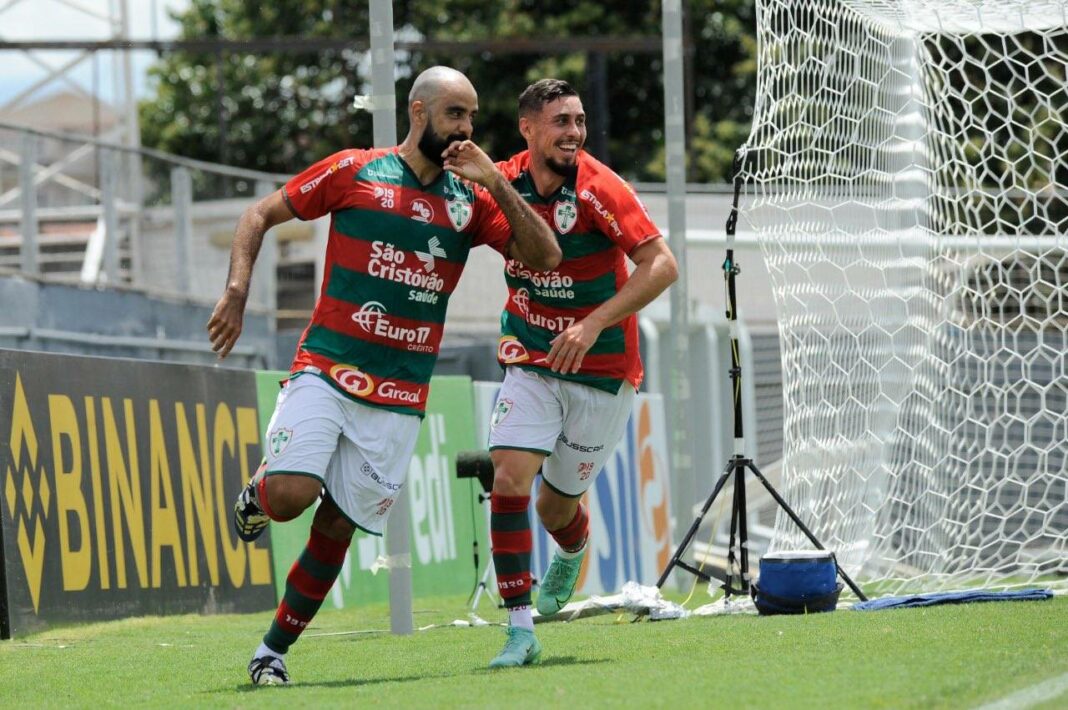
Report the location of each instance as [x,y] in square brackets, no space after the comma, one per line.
[907,176]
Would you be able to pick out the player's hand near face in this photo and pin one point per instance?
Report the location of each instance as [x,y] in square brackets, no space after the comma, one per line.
[467,160]
[570,347]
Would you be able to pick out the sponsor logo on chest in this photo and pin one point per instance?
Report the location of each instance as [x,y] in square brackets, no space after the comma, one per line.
[544,284]
[372,318]
[392,264]
[422,211]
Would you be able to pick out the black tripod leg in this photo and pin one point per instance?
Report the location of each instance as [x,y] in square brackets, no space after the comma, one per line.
[681,549]
[808,533]
[743,525]
[735,560]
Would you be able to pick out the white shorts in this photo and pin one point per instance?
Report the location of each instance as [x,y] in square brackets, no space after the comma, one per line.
[360,453]
[575,425]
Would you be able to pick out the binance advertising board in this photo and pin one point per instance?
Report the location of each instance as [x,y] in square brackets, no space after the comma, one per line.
[117,479]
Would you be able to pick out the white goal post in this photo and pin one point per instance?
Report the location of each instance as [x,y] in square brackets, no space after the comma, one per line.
[907,176]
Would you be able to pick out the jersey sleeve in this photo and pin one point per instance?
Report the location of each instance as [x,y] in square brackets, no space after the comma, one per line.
[619,213]
[491,224]
[322,188]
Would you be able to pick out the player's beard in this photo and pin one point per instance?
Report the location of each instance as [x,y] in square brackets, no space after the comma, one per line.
[432,145]
[565,170]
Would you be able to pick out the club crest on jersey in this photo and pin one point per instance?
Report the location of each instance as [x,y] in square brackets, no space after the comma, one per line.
[352,380]
[510,350]
[459,213]
[565,214]
[279,440]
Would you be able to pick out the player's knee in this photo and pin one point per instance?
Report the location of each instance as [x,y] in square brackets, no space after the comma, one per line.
[514,471]
[510,482]
[330,522]
[289,496]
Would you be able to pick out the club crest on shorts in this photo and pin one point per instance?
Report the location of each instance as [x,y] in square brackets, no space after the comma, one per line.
[500,411]
[510,350]
[564,215]
[279,439]
[459,214]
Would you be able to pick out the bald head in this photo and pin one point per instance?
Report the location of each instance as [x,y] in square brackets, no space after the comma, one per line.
[441,109]
[436,81]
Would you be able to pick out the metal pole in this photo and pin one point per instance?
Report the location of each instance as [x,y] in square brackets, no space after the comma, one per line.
[384,113]
[182,200]
[27,162]
[132,138]
[108,184]
[678,399]
[597,95]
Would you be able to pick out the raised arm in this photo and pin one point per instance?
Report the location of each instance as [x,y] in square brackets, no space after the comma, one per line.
[224,326]
[533,242]
[655,270]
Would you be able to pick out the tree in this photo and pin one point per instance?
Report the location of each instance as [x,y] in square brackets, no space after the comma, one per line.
[279,112]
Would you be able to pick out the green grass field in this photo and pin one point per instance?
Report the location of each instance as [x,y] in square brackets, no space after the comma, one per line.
[953,657]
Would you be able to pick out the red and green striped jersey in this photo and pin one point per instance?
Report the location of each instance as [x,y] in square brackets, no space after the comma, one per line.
[395,253]
[598,221]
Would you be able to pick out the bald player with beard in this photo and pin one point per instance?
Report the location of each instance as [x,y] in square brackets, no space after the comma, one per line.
[345,423]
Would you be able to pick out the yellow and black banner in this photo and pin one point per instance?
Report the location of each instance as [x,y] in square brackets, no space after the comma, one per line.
[117,479]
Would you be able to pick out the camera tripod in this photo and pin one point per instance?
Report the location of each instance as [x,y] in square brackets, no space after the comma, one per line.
[478,465]
[738,545]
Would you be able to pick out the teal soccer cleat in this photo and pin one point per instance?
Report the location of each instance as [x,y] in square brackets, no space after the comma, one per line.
[559,583]
[521,649]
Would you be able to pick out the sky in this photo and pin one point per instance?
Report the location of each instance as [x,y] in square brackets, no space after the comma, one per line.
[68,20]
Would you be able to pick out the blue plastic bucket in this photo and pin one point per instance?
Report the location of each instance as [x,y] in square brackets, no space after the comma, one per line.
[799,582]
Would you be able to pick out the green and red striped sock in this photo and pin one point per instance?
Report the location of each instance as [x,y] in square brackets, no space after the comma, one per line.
[307,585]
[512,545]
[572,537]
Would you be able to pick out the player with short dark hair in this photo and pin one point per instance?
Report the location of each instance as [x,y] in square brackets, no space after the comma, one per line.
[569,343]
[402,222]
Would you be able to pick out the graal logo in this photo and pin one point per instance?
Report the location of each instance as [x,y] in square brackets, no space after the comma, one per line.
[422,211]
[434,245]
[565,214]
[25,481]
[521,299]
[459,213]
[352,380]
[368,315]
[510,350]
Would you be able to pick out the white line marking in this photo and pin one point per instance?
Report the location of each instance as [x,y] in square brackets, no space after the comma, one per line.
[1030,696]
